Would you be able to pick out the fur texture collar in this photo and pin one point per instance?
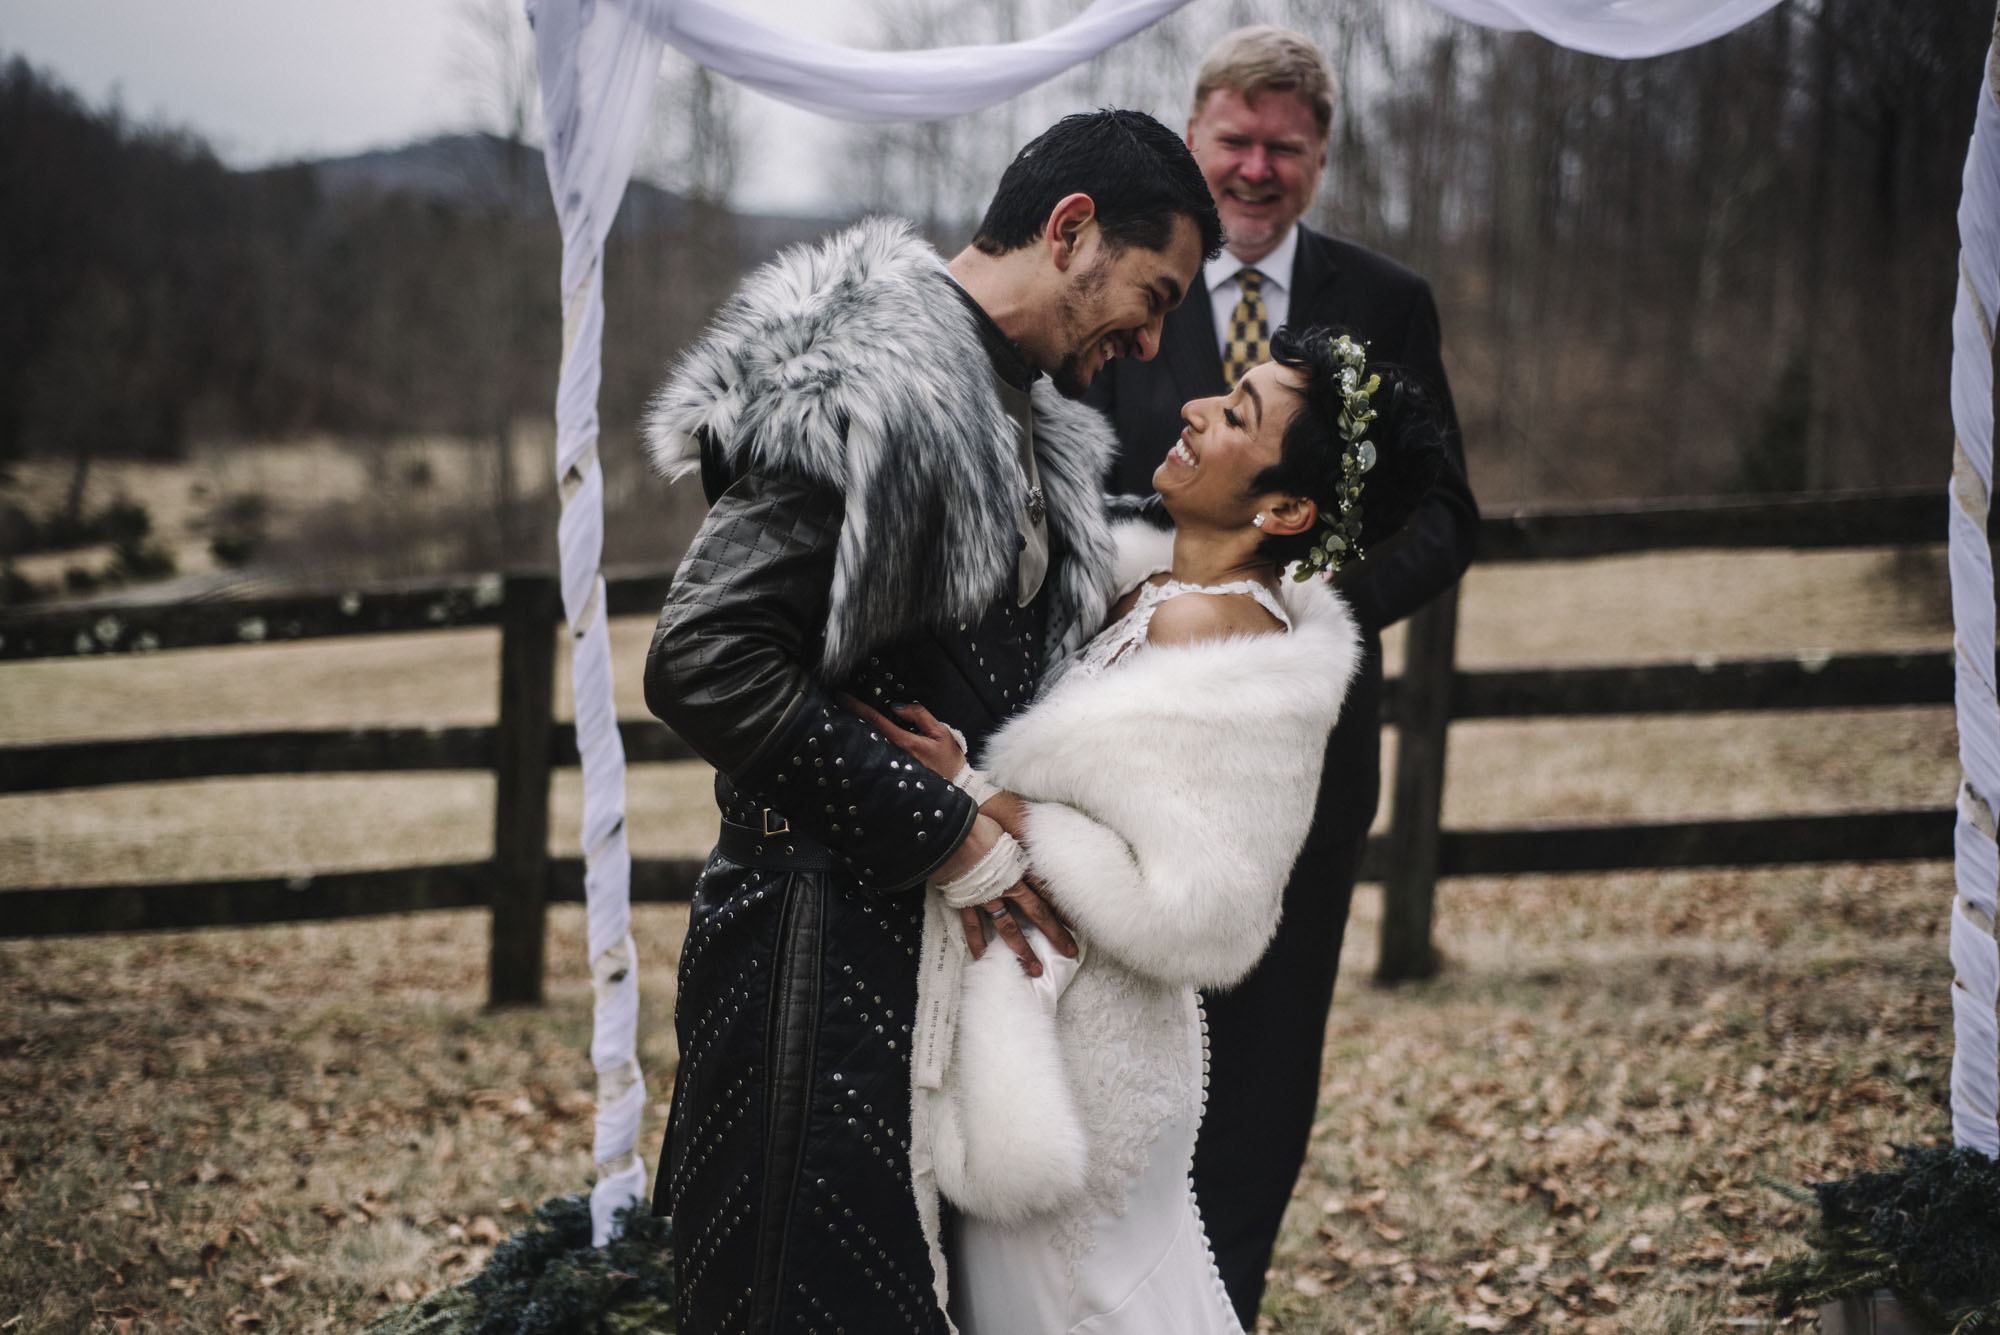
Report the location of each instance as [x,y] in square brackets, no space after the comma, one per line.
[854,365]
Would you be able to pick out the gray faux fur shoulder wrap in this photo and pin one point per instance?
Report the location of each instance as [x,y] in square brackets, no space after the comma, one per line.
[854,365]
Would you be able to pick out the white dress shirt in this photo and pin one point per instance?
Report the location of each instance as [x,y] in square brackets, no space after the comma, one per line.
[1224,291]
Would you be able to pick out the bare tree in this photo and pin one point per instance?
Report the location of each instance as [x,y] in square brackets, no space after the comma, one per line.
[495,67]
[926,170]
[694,140]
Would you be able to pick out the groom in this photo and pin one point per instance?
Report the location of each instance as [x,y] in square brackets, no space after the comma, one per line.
[1263,103]
[905,505]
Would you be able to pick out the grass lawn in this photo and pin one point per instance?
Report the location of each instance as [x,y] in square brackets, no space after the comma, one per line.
[294,1128]
[291,1128]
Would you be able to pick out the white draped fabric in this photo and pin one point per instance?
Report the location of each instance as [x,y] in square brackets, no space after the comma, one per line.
[598,72]
[1975,993]
[865,85]
[598,61]
[1627,29]
[862,85]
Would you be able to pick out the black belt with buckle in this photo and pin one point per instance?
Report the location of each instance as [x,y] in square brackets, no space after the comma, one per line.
[771,843]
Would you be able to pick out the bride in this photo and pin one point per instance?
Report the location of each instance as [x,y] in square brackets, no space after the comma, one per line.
[1159,792]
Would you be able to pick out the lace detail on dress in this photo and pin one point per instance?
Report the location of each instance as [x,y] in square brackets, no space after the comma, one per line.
[1134,1064]
[1194,1201]
[1129,631]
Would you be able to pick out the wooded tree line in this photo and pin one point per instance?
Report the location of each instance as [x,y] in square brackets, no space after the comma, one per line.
[149,294]
[1731,268]
[1727,269]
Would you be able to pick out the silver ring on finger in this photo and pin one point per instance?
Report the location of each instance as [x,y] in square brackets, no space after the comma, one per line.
[996,914]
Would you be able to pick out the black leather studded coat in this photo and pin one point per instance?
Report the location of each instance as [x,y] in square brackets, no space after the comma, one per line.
[786,1164]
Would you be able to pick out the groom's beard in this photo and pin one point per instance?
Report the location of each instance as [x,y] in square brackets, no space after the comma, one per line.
[1068,376]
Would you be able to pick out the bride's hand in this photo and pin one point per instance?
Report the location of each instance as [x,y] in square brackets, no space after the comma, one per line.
[1024,901]
[918,732]
[1029,900]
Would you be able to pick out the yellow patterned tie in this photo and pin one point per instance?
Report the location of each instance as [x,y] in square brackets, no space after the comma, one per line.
[1249,339]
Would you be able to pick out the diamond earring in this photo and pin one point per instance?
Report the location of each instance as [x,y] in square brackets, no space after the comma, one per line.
[1258,519]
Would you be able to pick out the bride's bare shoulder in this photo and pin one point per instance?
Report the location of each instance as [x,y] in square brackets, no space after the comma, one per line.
[1189,617]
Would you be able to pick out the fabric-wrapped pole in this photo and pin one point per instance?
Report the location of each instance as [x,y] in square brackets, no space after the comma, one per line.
[597,71]
[1975,993]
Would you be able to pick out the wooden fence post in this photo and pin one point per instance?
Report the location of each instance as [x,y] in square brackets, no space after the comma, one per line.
[529,607]
[1424,719]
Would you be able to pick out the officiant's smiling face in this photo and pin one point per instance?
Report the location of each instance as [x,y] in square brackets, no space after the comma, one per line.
[1227,442]
[1262,156]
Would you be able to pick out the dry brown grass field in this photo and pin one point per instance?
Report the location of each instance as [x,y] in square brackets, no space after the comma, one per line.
[308,486]
[291,1128]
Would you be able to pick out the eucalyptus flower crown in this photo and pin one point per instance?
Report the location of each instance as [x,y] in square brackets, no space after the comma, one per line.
[1340,538]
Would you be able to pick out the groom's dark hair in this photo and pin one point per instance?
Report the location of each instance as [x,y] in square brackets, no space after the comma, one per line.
[1136,171]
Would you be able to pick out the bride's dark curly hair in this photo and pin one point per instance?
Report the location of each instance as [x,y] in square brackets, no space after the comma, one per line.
[1408,432]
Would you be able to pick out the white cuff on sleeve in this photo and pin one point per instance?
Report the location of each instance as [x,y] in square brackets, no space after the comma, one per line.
[981,788]
[992,876]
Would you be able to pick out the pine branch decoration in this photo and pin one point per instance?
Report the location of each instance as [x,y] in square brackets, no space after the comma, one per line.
[548,1280]
[1928,1230]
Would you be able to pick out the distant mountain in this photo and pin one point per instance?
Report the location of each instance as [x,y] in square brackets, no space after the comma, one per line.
[481,170]
[458,168]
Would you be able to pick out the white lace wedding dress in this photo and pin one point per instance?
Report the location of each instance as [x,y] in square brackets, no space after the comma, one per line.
[1129,1256]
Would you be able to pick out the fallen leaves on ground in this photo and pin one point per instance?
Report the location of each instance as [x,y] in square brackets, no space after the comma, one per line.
[284,1129]
[1564,1134]
[290,1129]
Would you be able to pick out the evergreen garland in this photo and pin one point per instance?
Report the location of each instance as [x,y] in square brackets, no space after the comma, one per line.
[446,1312]
[548,1280]
[1927,1230]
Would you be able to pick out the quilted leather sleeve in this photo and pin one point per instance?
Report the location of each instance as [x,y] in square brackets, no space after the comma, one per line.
[731,671]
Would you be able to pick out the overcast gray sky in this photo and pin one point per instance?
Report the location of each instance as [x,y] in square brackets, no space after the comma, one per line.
[272,80]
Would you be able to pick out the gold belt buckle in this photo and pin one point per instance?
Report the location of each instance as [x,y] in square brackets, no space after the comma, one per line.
[783,827]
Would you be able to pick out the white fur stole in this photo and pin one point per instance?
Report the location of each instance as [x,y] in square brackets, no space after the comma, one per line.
[1168,798]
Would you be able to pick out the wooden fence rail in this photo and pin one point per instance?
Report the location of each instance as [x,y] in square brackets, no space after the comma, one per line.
[1418,850]
[526,744]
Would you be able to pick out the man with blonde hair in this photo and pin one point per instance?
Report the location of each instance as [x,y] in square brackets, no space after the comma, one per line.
[1259,128]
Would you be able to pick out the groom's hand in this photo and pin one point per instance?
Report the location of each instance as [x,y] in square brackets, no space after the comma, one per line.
[921,736]
[1025,898]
